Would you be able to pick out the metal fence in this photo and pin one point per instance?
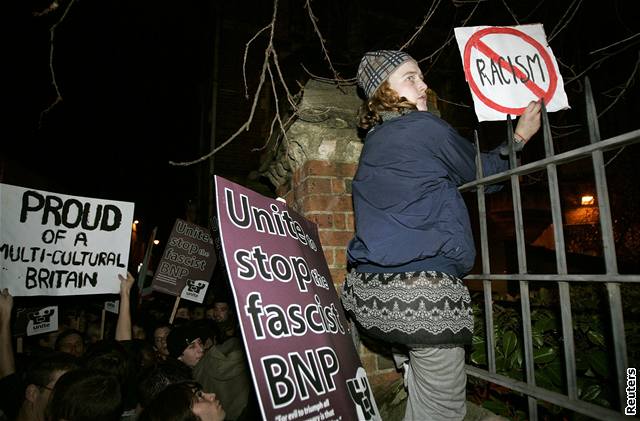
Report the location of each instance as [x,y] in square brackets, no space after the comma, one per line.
[611,278]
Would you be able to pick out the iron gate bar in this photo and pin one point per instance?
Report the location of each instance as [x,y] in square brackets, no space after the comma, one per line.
[527,334]
[486,264]
[609,248]
[561,261]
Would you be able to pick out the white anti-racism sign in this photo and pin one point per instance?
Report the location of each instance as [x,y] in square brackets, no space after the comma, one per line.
[55,244]
[508,67]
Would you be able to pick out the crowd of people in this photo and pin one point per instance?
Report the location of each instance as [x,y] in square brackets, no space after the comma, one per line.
[145,367]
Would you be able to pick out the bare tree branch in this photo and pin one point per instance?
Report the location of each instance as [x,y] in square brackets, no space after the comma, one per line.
[615,43]
[244,60]
[247,124]
[452,36]
[513,15]
[555,31]
[427,17]
[314,21]
[626,86]
[54,82]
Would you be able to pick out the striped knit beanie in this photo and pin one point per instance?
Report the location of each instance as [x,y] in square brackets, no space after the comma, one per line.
[376,66]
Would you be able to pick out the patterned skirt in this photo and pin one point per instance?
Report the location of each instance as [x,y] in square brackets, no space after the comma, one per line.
[416,309]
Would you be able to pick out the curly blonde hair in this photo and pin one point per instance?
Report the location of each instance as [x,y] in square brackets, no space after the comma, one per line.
[383,99]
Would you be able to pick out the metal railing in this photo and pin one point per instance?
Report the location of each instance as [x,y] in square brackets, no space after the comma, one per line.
[611,278]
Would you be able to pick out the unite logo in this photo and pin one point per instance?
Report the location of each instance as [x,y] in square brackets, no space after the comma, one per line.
[42,316]
[361,394]
[195,286]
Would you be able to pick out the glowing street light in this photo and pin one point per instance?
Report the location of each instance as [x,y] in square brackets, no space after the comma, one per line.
[156,242]
[587,200]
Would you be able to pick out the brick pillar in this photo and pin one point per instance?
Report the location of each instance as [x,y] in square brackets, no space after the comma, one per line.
[321,191]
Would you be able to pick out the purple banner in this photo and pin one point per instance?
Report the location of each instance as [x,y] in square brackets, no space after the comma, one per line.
[303,361]
[188,260]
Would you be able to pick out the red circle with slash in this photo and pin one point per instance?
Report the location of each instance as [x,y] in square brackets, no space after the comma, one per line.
[476,42]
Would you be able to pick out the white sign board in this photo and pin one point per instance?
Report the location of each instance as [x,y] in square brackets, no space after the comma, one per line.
[55,244]
[508,67]
[195,290]
[43,321]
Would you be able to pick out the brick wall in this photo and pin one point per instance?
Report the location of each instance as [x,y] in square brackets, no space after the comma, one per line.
[321,192]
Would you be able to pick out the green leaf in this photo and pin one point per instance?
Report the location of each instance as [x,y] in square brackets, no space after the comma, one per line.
[509,342]
[515,361]
[479,357]
[596,338]
[544,325]
[544,355]
[477,340]
[538,339]
[591,393]
[598,362]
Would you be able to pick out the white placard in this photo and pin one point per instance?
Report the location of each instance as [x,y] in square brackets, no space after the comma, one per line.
[507,67]
[56,244]
[195,290]
[43,321]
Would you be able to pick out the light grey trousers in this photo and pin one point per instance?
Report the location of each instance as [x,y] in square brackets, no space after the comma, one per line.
[436,383]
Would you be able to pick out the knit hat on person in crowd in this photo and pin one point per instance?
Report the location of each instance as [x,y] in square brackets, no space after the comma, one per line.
[180,338]
[376,67]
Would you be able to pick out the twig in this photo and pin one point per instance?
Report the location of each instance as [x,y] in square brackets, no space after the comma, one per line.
[526,18]
[314,21]
[615,156]
[454,103]
[54,82]
[597,62]
[427,17]
[615,43]
[244,60]
[452,36]
[350,81]
[626,86]
[555,31]
[513,15]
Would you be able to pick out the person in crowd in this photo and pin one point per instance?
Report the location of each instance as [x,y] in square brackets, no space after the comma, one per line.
[183,312]
[93,333]
[160,334]
[40,378]
[223,369]
[198,312]
[184,343]
[183,401]
[71,342]
[413,240]
[155,379]
[85,395]
[224,318]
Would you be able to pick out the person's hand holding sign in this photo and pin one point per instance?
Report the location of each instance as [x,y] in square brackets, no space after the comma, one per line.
[123,327]
[126,284]
[528,123]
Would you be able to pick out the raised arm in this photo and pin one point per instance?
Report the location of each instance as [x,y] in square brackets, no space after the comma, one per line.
[123,328]
[7,361]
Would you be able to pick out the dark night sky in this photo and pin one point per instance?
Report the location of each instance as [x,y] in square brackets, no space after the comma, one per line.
[132,75]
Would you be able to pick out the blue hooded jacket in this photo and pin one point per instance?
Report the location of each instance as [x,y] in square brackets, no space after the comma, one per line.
[409,213]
